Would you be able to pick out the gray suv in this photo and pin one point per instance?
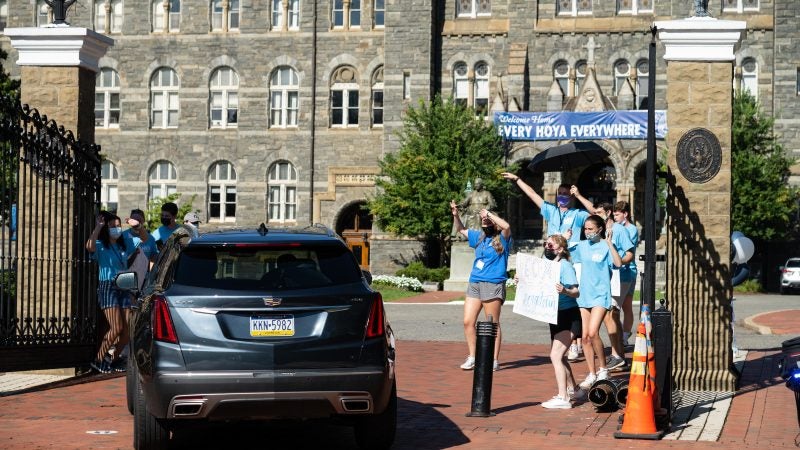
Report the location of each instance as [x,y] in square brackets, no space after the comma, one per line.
[273,323]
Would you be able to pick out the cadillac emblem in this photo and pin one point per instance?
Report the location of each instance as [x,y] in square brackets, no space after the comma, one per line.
[699,155]
[272,301]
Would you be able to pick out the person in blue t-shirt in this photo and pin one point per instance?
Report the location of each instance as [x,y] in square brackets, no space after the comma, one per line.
[597,257]
[568,326]
[487,280]
[138,237]
[561,217]
[111,252]
[169,211]
[628,272]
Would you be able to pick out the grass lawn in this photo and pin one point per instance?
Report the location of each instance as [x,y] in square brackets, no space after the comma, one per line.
[390,293]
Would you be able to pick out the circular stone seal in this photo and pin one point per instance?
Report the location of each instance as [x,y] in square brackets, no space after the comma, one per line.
[699,155]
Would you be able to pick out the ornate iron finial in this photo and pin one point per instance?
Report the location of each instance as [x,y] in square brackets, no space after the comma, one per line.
[701,8]
[59,10]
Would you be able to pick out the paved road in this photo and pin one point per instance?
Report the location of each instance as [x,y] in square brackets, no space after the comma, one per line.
[434,322]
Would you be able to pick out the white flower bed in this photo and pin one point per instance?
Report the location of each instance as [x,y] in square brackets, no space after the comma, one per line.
[510,282]
[402,282]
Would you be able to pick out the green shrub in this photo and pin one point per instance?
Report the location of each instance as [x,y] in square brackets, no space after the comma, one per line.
[749,286]
[417,270]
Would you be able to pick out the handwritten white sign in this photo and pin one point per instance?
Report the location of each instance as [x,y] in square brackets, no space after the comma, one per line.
[537,297]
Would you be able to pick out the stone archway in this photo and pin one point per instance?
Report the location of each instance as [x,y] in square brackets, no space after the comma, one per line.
[354,225]
[598,183]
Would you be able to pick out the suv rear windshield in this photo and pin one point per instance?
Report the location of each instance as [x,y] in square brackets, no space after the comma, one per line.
[793,263]
[266,267]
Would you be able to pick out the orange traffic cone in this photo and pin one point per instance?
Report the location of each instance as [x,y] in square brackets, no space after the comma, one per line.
[651,364]
[639,421]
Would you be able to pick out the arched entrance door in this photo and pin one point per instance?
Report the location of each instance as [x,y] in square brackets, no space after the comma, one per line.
[598,183]
[355,227]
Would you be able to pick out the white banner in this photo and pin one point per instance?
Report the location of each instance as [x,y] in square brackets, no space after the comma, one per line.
[537,297]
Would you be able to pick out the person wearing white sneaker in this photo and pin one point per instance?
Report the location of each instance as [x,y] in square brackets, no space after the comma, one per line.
[557,402]
[568,323]
[597,257]
[628,272]
[487,280]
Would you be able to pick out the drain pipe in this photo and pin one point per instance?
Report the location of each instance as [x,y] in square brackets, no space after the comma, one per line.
[313,110]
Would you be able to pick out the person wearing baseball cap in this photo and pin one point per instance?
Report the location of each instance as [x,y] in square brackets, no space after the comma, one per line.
[192,218]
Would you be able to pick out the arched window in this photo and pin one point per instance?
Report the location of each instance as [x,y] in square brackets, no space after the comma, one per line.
[750,76]
[166,15]
[580,75]
[109,192]
[377,97]
[43,13]
[162,180]
[164,101]
[106,99]
[461,83]
[481,95]
[344,97]
[622,70]
[561,75]
[224,98]
[3,14]
[473,8]
[642,83]
[224,17]
[222,192]
[108,16]
[284,95]
[282,192]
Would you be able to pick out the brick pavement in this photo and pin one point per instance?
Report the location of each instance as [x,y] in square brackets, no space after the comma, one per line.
[434,397]
[776,322]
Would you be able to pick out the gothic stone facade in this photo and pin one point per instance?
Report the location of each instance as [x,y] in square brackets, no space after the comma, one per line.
[512,51]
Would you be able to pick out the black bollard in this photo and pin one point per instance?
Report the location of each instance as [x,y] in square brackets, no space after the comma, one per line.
[482,374]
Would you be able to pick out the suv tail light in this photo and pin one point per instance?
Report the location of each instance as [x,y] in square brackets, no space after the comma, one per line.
[163,329]
[375,320]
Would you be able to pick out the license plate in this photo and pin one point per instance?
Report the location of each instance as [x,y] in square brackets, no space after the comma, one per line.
[282,325]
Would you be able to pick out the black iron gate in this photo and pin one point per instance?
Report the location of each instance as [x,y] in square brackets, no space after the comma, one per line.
[49,194]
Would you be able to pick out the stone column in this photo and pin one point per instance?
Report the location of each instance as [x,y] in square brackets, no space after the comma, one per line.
[58,67]
[699,55]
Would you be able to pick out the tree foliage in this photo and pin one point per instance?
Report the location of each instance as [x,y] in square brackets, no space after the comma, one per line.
[763,204]
[9,155]
[442,146]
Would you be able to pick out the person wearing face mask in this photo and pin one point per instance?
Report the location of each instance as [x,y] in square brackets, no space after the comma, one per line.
[107,246]
[487,280]
[169,211]
[626,248]
[568,326]
[597,256]
[138,237]
[561,217]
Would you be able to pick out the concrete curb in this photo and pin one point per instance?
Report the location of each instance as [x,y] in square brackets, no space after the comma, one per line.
[749,322]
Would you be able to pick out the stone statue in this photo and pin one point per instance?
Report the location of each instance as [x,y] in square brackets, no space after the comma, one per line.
[701,8]
[474,202]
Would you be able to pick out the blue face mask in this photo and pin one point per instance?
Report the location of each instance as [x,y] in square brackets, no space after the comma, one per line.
[115,232]
[562,200]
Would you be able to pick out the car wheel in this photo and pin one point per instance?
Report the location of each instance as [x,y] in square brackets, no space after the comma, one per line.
[148,432]
[377,431]
[130,384]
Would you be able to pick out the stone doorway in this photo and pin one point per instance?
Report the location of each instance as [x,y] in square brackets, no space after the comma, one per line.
[355,226]
[598,183]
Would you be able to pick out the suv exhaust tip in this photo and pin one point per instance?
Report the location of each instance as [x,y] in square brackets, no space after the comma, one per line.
[356,405]
[184,409]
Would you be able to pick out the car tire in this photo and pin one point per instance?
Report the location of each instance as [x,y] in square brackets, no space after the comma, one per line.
[130,384]
[149,433]
[377,431]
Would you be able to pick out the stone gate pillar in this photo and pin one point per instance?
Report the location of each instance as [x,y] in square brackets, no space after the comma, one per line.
[699,56]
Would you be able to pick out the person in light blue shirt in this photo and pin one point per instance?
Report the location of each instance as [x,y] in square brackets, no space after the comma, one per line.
[628,272]
[109,249]
[169,212]
[567,327]
[561,217]
[487,280]
[597,256]
[138,237]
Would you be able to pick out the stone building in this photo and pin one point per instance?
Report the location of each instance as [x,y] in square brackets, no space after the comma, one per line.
[278,111]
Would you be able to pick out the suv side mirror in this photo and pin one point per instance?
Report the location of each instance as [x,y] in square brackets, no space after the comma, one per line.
[367,276]
[127,281]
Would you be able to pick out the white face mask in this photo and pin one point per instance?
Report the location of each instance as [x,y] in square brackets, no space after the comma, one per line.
[115,232]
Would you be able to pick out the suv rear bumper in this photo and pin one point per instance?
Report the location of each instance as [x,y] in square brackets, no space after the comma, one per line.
[267,395]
